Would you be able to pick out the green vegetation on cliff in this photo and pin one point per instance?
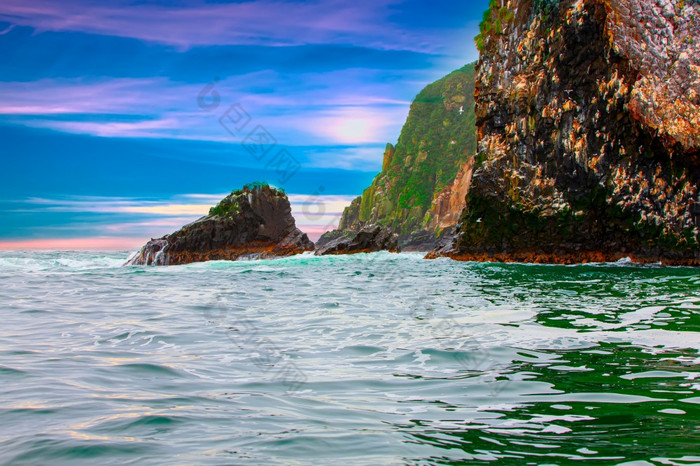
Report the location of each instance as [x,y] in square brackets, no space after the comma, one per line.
[493,21]
[230,205]
[438,137]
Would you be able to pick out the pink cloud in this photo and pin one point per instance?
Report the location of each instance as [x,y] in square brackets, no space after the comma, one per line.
[351,125]
[70,244]
[355,113]
[137,129]
[263,22]
[51,97]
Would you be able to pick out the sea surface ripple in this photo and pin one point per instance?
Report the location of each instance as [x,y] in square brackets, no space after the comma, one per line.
[366,359]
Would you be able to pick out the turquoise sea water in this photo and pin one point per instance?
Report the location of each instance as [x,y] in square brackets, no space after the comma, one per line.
[367,359]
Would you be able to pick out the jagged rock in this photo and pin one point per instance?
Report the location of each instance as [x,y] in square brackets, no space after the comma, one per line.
[371,238]
[333,235]
[253,223]
[350,220]
[588,133]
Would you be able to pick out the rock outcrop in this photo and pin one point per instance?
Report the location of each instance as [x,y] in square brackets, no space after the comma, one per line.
[448,205]
[438,138]
[588,133]
[350,220]
[371,238]
[253,223]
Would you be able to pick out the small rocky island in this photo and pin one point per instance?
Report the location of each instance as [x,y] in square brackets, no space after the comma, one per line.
[252,223]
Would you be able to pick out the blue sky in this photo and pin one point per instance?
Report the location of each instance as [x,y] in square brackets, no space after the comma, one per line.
[121,121]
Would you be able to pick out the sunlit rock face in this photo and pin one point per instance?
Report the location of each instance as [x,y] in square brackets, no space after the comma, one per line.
[661,38]
[588,133]
[449,203]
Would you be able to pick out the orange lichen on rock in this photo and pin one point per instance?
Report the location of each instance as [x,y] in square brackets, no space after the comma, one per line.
[662,39]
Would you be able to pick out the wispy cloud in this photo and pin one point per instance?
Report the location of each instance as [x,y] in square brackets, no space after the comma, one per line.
[263,22]
[116,205]
[167,215]
[75,96]
[366,158]
[321,112]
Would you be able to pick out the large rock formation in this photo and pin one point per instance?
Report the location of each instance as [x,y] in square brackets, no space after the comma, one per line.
[438,138]
[371,238]
[252,223]
[588,116]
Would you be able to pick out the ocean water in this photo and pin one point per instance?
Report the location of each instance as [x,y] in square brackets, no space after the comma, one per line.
[366,359]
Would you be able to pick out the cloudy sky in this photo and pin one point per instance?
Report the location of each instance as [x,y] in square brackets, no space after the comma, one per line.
[122,120]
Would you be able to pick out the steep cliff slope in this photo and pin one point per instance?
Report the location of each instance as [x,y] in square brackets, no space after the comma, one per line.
[589,133]
[436,141]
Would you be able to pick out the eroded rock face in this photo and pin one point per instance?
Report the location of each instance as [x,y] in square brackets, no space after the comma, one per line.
[253,223]
[371,238]
[587,116]
[662,39]
[449,204]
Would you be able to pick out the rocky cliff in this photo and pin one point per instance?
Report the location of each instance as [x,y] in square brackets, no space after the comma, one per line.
[437,140]
[588,133]
[253,223]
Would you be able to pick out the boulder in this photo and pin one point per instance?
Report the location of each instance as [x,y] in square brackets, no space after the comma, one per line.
[371,238]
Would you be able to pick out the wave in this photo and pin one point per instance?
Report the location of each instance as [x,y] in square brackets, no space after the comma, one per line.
[41,261]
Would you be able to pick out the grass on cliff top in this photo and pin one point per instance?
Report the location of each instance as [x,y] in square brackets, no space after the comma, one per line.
[497,16]
[493,21]
[231,204]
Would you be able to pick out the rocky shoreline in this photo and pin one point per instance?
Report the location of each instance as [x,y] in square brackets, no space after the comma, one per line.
[587,257]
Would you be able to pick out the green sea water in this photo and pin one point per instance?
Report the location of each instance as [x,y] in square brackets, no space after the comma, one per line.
[366,359]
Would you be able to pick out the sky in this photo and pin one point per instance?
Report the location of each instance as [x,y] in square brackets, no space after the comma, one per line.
[124,120]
